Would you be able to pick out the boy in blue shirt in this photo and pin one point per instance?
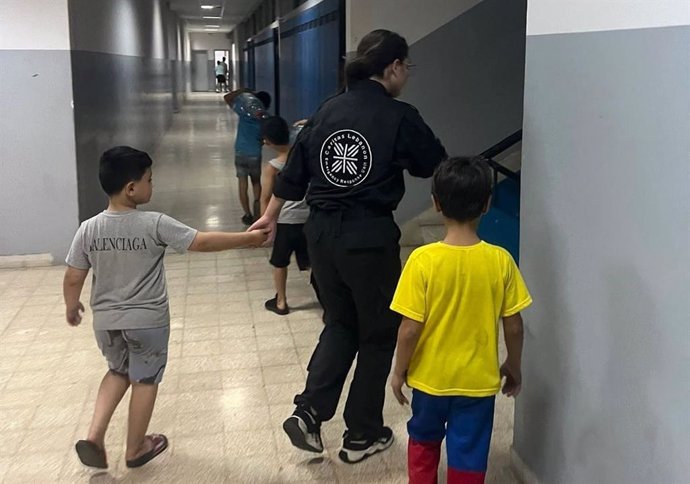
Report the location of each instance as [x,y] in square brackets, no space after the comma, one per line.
[251,109]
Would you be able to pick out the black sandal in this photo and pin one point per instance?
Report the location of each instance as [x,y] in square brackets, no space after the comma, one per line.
[272,305]
[160,443]
[91,455]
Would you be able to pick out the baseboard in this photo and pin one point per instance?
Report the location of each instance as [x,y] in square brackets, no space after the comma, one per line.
[24,261]
[521,470]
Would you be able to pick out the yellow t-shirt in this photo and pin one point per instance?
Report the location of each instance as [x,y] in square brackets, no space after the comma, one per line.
[458,293]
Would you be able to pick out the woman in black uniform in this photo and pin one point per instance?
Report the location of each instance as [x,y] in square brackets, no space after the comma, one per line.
[349,160]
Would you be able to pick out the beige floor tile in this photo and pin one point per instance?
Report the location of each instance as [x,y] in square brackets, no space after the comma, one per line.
[274,375]
[244,397]
[274,342]
[50,417]
[281,357]
[190,334]
[238,344]
[239,361]
[272,328]
[200,348]
[198,423]
[243,377]
[11,441]
[193,382]
[16,418]
[251,443]
[243,418]
[284,393]
[37,467]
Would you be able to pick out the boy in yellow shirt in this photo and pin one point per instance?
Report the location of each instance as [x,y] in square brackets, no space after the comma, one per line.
[451,295]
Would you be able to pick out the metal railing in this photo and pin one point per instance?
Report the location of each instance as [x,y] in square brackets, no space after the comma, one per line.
[496,150]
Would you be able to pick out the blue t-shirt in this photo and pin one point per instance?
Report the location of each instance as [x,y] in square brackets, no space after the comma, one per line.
[248,141]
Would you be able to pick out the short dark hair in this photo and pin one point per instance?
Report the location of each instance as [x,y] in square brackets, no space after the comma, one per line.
[120,165]
[462,187]
[376,51]
[265,98]
[275,129]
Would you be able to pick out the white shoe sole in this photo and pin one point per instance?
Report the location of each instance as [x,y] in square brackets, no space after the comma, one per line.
[296,430]
[354,456]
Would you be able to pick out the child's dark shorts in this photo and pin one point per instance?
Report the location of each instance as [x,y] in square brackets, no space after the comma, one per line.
[290,238]
[140,354]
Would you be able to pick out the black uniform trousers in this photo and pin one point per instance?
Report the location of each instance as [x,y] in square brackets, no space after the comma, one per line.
[356,262]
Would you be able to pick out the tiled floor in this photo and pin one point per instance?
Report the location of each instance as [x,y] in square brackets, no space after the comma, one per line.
[233,368]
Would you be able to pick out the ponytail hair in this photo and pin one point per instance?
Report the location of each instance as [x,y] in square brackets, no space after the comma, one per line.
[376,51]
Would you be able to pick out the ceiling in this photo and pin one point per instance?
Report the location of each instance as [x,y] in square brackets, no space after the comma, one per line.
[231,12]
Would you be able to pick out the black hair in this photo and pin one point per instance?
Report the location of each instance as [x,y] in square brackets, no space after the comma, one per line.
[462,187]
[376,51]
[265,98]
[275,129]
[120,165]
[218,62]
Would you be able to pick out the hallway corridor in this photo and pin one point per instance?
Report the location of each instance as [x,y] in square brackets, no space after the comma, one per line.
[233,367]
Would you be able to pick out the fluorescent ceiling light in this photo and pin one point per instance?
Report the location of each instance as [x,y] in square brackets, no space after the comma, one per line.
[213,26]
[209,7]
[210,17]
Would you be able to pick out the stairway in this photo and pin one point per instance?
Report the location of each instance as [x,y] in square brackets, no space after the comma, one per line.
[500,226]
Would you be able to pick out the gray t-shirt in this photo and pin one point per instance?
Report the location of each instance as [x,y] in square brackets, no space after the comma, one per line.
[125,251]
[292,212]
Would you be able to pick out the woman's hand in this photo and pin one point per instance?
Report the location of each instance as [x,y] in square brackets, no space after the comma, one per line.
[267,225]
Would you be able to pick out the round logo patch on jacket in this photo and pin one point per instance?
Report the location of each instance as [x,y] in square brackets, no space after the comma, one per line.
[346,158]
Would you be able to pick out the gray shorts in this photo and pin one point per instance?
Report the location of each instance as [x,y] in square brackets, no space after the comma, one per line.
[140,354]
[248,166]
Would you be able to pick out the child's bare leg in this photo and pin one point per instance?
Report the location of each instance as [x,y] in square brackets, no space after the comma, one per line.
[280,280]
[243,187]
[113,388]
[140,410]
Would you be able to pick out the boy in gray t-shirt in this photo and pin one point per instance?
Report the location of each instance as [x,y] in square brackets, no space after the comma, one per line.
[125,247]
[290,229]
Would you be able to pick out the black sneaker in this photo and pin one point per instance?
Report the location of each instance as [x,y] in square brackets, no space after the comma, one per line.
[304,430]
[355,450]
[272,305]
[247,219]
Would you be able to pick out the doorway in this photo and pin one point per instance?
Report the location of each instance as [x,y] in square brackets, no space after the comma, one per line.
[200,71]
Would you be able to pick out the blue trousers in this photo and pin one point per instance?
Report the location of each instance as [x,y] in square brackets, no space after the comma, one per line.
[466,424]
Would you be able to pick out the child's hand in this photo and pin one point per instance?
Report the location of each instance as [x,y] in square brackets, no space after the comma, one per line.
[513,383]
[257,237]
[73,314]
[397,382]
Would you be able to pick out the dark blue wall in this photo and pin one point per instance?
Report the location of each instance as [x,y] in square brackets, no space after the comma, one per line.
[308,71]
[264,65]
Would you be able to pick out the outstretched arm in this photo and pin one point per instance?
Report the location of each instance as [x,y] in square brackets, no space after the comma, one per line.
[231,96]
[217,241]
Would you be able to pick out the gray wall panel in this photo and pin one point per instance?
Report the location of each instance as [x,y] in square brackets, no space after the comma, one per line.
[468,84]
[37,156]
[605,226]
[117,100]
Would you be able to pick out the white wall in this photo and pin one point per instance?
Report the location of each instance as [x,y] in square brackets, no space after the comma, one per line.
[34,24]
[210,42]
[557,16]
[120,27]
[37,149]
[605,225]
